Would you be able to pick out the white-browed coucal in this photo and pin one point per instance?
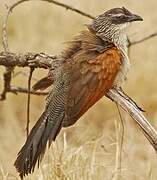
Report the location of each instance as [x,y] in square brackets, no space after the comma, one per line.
[95,61]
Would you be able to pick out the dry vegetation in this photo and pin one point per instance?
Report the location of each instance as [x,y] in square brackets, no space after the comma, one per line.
[87,150]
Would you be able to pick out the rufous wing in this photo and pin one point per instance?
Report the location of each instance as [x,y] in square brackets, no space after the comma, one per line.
[93,77]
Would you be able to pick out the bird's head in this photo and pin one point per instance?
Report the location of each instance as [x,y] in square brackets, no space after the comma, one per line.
[119,18]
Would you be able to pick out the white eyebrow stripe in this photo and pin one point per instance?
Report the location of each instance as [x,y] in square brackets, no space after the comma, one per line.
[117,15]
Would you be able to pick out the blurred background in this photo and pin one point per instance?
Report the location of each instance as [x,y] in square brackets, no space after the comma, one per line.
[86,150]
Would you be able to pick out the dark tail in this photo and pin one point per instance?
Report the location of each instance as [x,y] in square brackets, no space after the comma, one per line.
[45,130]
[33,150]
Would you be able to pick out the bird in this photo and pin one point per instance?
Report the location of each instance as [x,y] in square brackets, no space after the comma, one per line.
[95,61]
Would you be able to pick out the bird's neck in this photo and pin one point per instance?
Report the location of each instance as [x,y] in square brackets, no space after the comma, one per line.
[111,32]
[119,39]
[115,35]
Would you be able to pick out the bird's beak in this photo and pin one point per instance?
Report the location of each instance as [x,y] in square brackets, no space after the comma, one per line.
[135,17]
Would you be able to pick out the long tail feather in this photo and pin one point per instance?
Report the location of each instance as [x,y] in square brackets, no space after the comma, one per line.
[45,130]
[33,150]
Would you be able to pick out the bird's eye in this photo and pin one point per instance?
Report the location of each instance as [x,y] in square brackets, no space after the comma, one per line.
[119,15]
[122,16]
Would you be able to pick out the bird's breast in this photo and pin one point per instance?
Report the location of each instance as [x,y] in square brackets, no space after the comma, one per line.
[124,69]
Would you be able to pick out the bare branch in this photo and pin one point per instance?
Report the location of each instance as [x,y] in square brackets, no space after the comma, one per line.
[36,60]
[70,8]
[142,39]
[10,60]
[118,96]
[9,69]
[5,22]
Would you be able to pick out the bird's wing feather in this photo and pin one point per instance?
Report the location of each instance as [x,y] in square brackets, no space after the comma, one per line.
[43,83]
[87,41]
[94,76]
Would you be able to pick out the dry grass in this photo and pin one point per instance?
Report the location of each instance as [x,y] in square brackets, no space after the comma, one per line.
[87,150]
